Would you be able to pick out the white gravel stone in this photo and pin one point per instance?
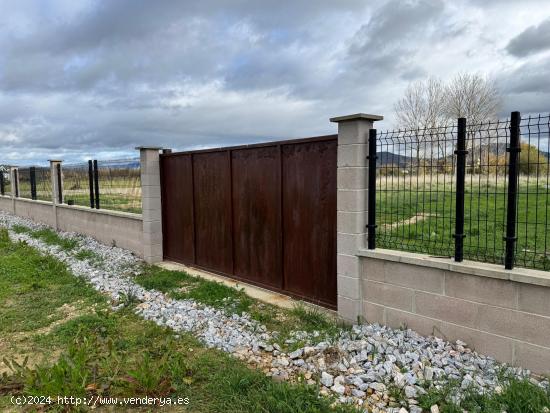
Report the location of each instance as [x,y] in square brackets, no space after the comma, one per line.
[370,355]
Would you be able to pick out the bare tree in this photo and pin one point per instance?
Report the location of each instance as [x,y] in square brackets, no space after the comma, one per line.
[431,103]
[476,98]
[422,105]
[471,96]
[421,108]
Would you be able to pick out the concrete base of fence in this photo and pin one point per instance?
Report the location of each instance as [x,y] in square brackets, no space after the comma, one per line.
[122,229]
[505,314]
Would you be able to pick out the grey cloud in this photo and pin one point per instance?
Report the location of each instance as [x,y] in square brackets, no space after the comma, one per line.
[532,40]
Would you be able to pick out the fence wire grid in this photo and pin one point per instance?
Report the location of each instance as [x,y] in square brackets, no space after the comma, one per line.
[120,184]
[5,180]
[416,191]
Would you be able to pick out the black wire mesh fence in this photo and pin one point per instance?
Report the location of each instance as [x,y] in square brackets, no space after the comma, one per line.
[113,185]
[415,197]
[418,192]
[76,185]
[533,217]
[120,185]
[43,183]
[24,176]
[5,180]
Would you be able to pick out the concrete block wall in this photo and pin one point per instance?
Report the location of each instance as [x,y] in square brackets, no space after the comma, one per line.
[502,313]
[151,204]
[109,227]
[505,314]
[351,202]
[122,229]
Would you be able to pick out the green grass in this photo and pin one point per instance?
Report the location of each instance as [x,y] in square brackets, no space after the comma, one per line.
[116,353]
[517,396]
[485,220]
[48,236]
[180,285]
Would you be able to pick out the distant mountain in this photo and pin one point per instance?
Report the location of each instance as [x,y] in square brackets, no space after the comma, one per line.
[389,158]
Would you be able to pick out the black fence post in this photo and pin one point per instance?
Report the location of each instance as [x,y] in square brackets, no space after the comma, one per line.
[59,187]
[91,182]
[371,202]
[461,153]
[16,182]
[2,184]
[96,182]
[32,176]
[511,205]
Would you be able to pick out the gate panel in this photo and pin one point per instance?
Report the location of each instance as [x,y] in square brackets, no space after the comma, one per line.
[309,216]
[177,208]
[213,226]
[257,214]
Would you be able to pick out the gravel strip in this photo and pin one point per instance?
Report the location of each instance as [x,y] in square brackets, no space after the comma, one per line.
[361,366]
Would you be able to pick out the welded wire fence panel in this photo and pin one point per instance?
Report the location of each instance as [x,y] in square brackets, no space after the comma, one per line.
[24,182]
[43,183]
[485,199]
[416,192]
[120,185]
[5,188]
[533,216]
[76,188]
[415,199]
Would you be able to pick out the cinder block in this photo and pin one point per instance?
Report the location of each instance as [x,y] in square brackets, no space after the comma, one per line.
[373,269]
[349,244]
[349,287]
[352,178]
[453,310]
[352,155]
[500,348]
[348,265]
[520,325]
[150,179]
[412,276]
[351,222]
[150,205]
[534,299]
[353,132]
[388,295]
[401,319]
[534,358]
[152,226]
[501,293]
[349,309]
[352,200]
[374,313]
[150,191]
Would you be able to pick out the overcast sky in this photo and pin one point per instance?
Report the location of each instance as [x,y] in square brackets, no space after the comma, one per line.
[82,78]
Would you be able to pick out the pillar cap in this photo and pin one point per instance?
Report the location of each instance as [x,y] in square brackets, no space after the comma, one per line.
[356,116]
[157,148]
[55,160]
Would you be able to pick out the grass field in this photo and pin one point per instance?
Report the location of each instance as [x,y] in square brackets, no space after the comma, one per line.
[418,214]
[58,336]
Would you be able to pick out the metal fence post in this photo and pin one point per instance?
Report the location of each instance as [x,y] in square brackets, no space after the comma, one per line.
[96,182]
[32,176]
[2,184]
[371,211]
[511,205]
[59,184]
[15,182]
[461,153]
[91,182]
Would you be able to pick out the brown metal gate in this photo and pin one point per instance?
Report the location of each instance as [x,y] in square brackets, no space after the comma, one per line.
[264,214]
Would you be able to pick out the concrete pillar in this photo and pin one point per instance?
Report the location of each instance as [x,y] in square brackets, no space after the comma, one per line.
[150,200]
[353,132]
[56,189]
